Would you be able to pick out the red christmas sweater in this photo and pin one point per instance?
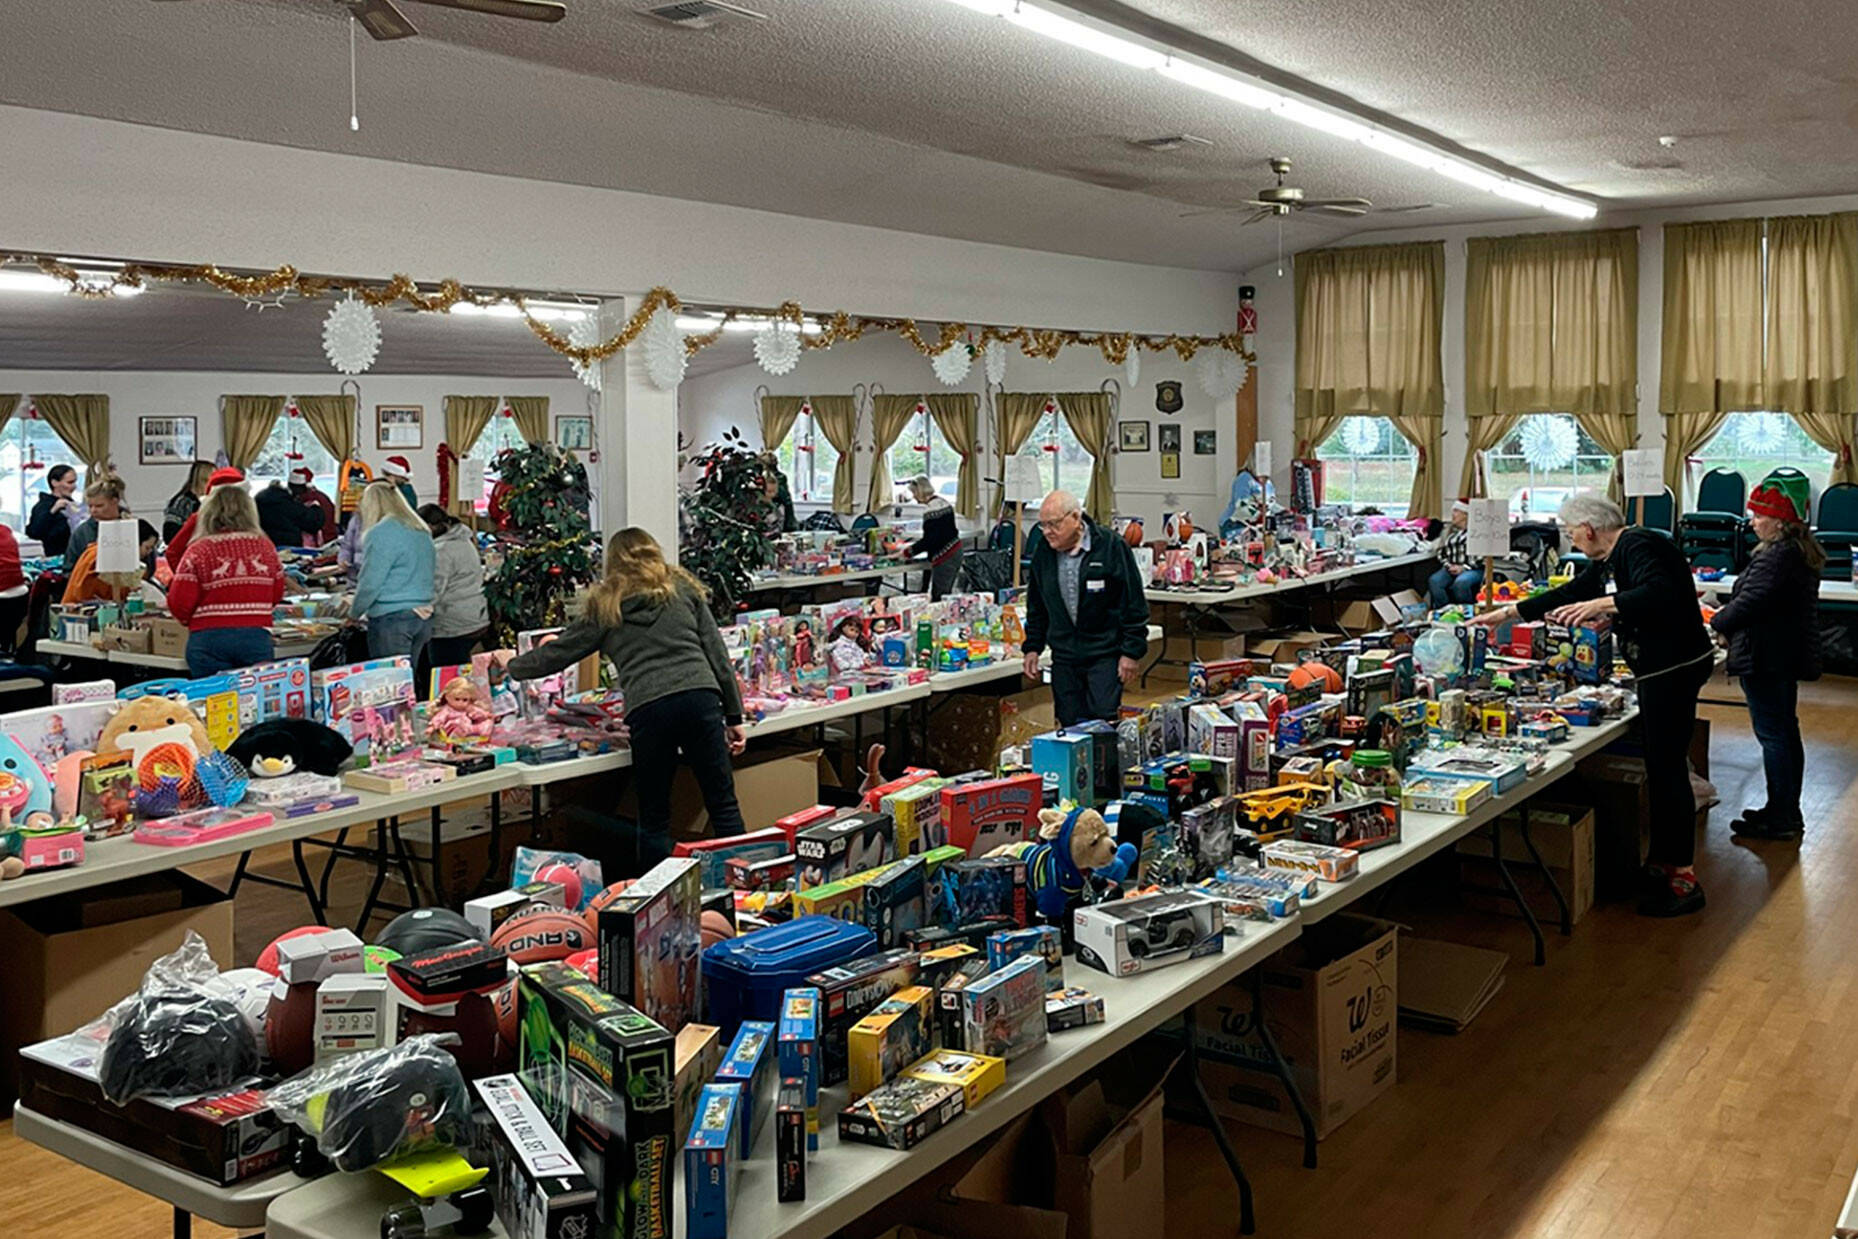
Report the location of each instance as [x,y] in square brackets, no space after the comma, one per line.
[228,580]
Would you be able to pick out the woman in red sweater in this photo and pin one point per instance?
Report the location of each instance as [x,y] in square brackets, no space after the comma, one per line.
[12,592]
[226,584]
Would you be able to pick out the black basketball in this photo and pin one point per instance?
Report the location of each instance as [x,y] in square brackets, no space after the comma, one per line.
[426,929]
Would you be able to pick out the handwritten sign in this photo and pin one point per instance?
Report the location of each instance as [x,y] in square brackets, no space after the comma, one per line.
[1023,483]
[118,548]
[1643,474]
[1261,460]
[470,479]
[1488,533]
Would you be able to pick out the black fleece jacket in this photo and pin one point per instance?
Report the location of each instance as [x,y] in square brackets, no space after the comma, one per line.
[1772,618]
[1658,623]
[1112,609]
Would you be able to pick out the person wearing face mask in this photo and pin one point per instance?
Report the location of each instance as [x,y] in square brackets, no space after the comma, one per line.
[1086,603]
[1659,628]
[1772,625]
[105,497]
[49,522]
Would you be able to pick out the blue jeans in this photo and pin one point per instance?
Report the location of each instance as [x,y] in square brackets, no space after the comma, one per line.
[213,650]
[1444,587]
[402,632]
[1774,714]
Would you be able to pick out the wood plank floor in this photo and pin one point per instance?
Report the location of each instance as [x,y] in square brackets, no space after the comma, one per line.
[1691,1078]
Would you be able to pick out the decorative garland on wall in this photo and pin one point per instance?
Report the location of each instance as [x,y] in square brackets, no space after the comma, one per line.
[1038,342]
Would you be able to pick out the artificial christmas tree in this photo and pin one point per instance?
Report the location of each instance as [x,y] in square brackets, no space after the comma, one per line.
[725,520]
[546,540]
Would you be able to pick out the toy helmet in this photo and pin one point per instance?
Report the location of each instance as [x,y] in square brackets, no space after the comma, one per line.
[415,1101]
[177,1045]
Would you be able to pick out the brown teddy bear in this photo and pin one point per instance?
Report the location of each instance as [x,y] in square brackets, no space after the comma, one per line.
[1073,847]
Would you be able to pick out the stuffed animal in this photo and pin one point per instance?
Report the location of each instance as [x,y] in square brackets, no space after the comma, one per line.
[281,745]
[146,722]
[1073,847]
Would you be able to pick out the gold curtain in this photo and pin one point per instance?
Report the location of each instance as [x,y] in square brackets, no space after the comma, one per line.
[332,420]
[531,413]
[245,424]
[83,422]
[1615,433]
[1088,413]
[838,417]
[1481,435]
[778,415]
[1685,433]
[957,416]
[1711,362]
[1424,433]
[1016,415]
[889,415]
[8,403]
[1811,357]
[465,419]
[1368,327]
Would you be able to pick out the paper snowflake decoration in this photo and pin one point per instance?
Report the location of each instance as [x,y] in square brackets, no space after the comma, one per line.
[996,363]
[1221,373]
[1132,366]
[665,358]
[1549,442]
[1361,435]
[351,336]
[1761,434]
[585,333]
[777,347]
[951,364]
[1236,371]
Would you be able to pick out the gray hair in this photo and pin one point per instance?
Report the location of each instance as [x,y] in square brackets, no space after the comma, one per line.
[921,482]
[1588,508]
[1065,501]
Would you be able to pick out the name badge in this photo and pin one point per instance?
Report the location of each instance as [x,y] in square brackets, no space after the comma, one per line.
[1095,587]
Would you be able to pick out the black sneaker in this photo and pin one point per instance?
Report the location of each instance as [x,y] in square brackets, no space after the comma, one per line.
[1652,879]
[1767,828]
[1673,900]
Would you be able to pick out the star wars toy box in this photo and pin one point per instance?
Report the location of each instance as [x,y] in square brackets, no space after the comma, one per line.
[717,853]
[978,817]
[977,1075]
[750,1063]
[1072,1008]
[746,977]
[1149,931]
[967,891]
[832,850]
[916,811]
[1003,1013]
[648,941]
[1360,825]
[896,1033]
[1043,941]
[1065,760]
[896,900]
[711,1151]
[603,1075]
[850,992]
[539,1187]
[371,705]
[902,1114]
[797,1053]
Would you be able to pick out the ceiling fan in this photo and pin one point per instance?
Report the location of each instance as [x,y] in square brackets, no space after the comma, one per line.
[382,19]
[1280,200]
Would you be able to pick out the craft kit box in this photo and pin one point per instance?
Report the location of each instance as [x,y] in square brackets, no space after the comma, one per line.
[978,817]
[648,941]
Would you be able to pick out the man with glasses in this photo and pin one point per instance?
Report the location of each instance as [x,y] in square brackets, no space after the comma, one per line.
[1085,602]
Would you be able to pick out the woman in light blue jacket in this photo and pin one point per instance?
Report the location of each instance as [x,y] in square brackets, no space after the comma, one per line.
[394,593]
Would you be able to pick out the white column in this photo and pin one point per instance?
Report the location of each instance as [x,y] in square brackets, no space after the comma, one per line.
[635,479]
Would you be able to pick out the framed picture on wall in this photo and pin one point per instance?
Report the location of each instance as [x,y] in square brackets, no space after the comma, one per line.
[1206,442]
[1171,437]
[574,432]
[1135,436]
[166,440]
[1170,464]
[400,426]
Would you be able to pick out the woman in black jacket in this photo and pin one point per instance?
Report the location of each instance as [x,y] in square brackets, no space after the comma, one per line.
[1658,626]
[1772,623]
[50,521]
[941,540]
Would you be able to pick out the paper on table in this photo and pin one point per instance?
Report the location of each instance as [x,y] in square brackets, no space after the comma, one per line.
[1643,476]
[1261,460]
[1023,484]
[118,548]
[1488,533]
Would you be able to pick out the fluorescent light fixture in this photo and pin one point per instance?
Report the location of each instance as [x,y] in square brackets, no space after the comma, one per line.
[39,282]
[687,322]
[1138,53]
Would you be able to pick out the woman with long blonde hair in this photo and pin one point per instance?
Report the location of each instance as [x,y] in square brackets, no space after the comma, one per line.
[394,590]
[652,621]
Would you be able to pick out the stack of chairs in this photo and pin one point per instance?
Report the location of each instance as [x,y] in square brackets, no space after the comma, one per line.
[1716,534]
[1838,529]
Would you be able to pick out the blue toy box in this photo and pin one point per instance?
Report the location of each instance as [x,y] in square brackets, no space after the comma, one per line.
[797,1046]
[746,976]
[1068,759]
[709,1161]
[750,1063]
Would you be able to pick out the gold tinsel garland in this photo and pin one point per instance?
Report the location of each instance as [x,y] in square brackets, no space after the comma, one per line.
[837,327]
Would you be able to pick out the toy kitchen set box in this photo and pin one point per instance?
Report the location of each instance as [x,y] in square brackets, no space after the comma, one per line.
[1333,1009]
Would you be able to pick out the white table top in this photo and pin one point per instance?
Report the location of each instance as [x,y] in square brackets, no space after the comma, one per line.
[1830,591]
[240,1207]
[1218,597]
[808,580]
[160,662]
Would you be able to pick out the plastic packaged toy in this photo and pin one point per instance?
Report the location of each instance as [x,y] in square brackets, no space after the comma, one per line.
[369,1108]
[1003,1013]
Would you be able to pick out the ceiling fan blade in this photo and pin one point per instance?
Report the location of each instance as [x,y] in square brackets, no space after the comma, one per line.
[1225,210]
[1402,210]
[1327,209]
[381,19]
[1255,216]
[1359,203]
[526,10]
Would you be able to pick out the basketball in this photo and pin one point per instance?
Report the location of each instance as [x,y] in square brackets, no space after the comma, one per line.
[1132,533]
[587,963]
[425,929]
[604,898]
[1321,674]
[566,877]
[716,927]
[542,934]
[506,1019]
[267,958]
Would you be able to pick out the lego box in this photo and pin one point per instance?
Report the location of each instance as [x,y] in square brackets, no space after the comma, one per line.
[895,1034]
[850,992]
[896,900]
[710,1155]
[1043,941]
[790,1140]
[977,1075]
[750,1063]
[648,941]
[902,1114]
[1003,1013]
[797,1053]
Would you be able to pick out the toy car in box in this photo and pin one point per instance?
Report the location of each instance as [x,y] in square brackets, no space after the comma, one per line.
[1127,936]
[1359,825]
[1453,796]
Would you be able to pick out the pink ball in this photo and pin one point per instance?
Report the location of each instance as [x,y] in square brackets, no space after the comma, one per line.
[567,877]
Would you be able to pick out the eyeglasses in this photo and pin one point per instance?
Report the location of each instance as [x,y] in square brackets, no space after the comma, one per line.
[1048,526]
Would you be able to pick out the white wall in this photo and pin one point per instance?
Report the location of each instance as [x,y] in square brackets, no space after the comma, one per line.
[1278,325]
[710,404]
[138,394]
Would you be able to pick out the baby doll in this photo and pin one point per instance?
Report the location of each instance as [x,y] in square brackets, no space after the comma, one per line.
[461,716]
[851,648]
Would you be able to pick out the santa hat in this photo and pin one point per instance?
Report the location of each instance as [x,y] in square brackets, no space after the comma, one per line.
[399,466]
[223,476]
[1782,498]
[302,477]
[1461,505]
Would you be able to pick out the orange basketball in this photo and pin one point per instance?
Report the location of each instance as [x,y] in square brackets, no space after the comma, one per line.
[716,927]
[1132,533]
[1321,674]
[605,897]
[542,934]
[505,999]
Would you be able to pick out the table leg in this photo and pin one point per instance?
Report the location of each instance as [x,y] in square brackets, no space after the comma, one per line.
[183,1223]
[489,883]
[403,860]
[1190,1060]
[1160,654]
[1516,895]
[1282,1069]
[380,879]
[335,852]
[319,911]
[1554,887]
[437,843]
[1193,635]
[238,875]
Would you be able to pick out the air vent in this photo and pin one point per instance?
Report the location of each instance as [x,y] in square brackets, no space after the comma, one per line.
[703,14]
[1171,142]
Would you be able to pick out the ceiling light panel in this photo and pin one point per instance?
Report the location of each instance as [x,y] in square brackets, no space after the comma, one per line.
[1139,53]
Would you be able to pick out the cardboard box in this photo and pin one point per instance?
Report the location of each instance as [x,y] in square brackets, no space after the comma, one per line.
[768,787]
[65,965]
[1331,1001]
[968,730]
[167,638]
[1286,647]
[990,1192]
[1615,787]
[698,1053]
[1107,1149]
[125,639]
[1564,835]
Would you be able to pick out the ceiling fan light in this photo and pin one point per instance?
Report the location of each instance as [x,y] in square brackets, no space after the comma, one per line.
[1221,84]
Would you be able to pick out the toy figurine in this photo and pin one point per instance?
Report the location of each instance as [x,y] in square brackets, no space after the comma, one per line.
[1072,847]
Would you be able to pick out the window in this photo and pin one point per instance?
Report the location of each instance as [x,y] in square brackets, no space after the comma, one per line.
[1367,463]
[1544,460]
[808,459]
[1756,444]
[28,447]
[500,434]
[1064,464]
[922,449]
[292,434]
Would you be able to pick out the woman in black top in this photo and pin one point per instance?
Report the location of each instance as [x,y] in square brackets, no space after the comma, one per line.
[1658,626]
[185,501]
[50,521]
[941,540]
[1772,623]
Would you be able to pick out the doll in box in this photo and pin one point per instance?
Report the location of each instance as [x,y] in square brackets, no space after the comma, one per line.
[461,716]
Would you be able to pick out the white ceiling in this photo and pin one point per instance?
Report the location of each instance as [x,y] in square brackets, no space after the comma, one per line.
[918,115]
